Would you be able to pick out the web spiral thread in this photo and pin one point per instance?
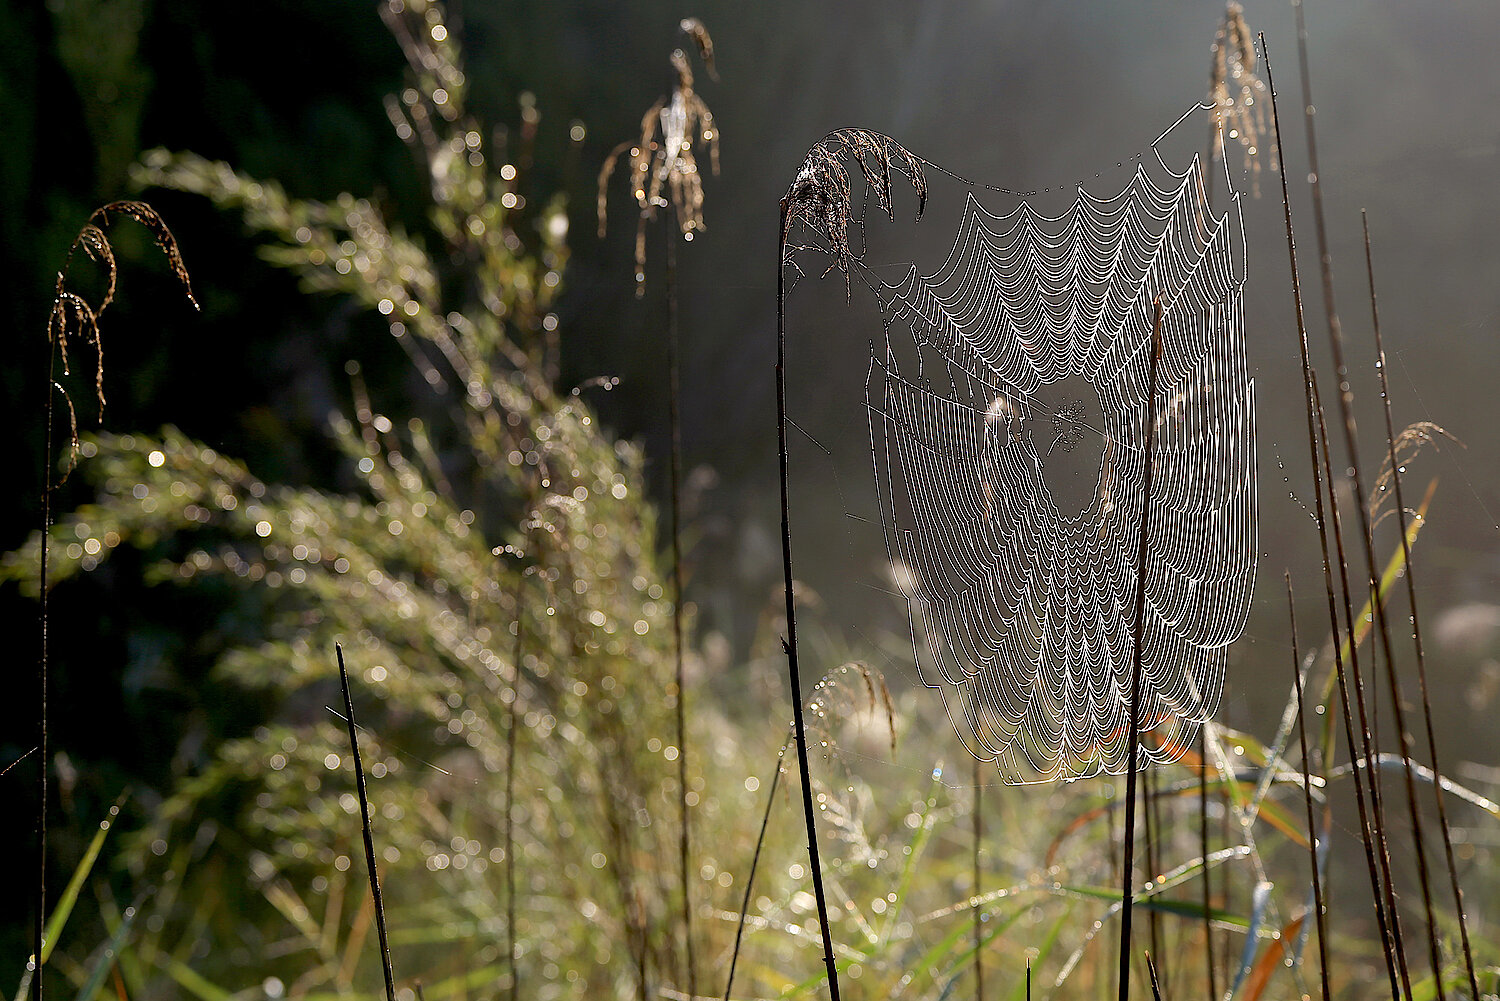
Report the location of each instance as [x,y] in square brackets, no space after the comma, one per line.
[1021,605]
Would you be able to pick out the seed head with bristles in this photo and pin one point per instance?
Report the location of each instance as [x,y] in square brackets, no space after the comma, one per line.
[820,194]
[1237,92]
[73,316]
[663,161]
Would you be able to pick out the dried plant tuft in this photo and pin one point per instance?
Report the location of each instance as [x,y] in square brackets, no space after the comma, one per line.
[72,315]
[820,194]
[1381,504]
[663,161]
[1237,91]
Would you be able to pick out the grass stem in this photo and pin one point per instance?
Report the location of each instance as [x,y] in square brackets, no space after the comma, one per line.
[1310,392]
[675,490]
[1312,827]
[790,643]
[364,814]
[1346,407]
[1416,625]
[1128,867]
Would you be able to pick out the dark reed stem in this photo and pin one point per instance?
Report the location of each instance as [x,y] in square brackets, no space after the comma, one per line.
[1310,391]
[1375,831]
[760,840]
[1151,972]
[1346,407]
[675,489]
[43,675]
[364,814]
[1127,868]
[510,791]
[978,824]
[1208,924]
[790,643]
[1307,797]
[1416,624]
[1150,813]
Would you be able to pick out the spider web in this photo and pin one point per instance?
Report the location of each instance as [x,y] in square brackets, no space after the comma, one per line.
[1007,404]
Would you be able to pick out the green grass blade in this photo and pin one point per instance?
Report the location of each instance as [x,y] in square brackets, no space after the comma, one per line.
[64,908]
[106,960]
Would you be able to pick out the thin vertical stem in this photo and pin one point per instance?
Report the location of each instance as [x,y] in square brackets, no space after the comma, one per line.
[43,677]
[978,888]
[760,841]
[1312,827]
[1310,391]
[1346,407]
[1150,812]
[510,791]
[790,643]
[364,814]
[1208,924]
[675,475]
[1149,431]
[1416,625]
[1374,831]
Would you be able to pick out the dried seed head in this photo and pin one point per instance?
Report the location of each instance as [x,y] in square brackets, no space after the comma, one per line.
[1237,92]
[694,29]
[663,161]
[820,194]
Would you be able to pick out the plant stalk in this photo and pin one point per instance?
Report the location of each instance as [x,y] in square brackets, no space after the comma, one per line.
[1309,391]
[790,643]
[675,489]
[1416,625]
[364,814]
[1312,827]
[1346,408]
[1128,898]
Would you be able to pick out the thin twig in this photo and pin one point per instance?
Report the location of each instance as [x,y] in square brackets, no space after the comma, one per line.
[1309,390]
[1127,867]
[364,813]
[1312,827]
[1416,626]
[790,643]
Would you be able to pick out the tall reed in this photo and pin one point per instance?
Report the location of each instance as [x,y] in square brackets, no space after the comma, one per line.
[72,316]
[665,176]
[1416,624]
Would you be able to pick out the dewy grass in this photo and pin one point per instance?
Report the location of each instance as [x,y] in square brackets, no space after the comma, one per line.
[1416,629]
[1309,388]
[1366,539]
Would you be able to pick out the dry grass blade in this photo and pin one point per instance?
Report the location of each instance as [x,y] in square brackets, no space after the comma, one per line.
[821,193]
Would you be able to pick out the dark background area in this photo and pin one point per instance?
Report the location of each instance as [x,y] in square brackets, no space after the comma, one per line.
[1023,94]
